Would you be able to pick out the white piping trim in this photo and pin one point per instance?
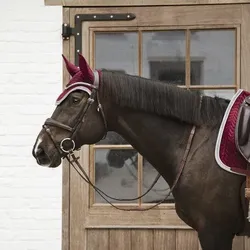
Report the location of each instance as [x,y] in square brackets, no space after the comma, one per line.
[83,88]
[218,142]
[85,84]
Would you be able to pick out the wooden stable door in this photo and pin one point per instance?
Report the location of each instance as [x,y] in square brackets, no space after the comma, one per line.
[203,48]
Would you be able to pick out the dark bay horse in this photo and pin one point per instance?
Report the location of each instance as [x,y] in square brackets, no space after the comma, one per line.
[156,119]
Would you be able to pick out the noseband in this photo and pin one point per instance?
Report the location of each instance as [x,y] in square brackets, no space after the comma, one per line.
[67,145]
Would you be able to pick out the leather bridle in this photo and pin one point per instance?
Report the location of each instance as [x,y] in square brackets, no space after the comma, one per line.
[67,146]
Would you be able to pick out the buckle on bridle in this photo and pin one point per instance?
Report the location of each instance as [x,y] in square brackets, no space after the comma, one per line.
[70,145]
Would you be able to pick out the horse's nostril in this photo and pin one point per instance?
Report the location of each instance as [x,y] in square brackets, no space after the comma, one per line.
[39,152]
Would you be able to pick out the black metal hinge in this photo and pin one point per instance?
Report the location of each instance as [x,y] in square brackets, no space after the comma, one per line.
[68,31]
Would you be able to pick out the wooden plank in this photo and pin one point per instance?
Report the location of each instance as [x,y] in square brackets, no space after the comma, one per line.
[79,191]
[245,48]
[65,164]
[97,240]
[238,243]
[186,239]
[238,57]
[170,16]
[138,2]
[120,239]
[164,239]
[142,239]
[163,217]
[66,46]
[246,243]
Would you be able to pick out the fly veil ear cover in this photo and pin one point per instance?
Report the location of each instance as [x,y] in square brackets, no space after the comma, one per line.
[83,78]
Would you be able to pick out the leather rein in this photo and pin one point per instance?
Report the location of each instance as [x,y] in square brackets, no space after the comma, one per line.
[67,146]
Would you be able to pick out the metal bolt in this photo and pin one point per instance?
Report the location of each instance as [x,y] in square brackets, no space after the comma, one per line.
[128,16]
[111,16]
[77,17]
[78,34]
[65,24]
[94,16]
[78,50]
[67,38]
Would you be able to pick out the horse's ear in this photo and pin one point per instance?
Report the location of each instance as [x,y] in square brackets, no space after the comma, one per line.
[85,69]
[72,69]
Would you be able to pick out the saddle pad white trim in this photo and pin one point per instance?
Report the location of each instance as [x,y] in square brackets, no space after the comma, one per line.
[218,142]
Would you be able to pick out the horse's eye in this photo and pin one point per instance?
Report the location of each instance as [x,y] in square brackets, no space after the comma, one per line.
[76,100]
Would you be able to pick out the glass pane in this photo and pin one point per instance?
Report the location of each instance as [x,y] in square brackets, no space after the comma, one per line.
[212,55]
[116,51]
[160,189]
[116,174]
[163,56]
[223,93]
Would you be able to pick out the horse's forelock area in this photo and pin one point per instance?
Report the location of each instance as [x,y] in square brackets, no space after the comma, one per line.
[162,98]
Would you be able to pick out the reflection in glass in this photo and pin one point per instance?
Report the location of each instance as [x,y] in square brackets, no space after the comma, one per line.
[223,93]
[161,188]
[116,174]
[118,52]
[163,56]
[212,53]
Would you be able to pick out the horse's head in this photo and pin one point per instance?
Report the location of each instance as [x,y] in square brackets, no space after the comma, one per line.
[78,118]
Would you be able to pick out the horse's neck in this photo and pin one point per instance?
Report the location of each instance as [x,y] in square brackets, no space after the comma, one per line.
[160,140]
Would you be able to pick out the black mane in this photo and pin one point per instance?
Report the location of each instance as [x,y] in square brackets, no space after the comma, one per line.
[162,99]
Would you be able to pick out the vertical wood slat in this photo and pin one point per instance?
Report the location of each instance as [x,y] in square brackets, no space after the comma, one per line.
[246,243]
[140,177]
[238,57]
[245,48]
[79,190]
[78,208]
[186,239]
[142,239]
[120,239]
[199,245]
[164,239]
[187,60]
[97,239]
[238,243]
[65,164]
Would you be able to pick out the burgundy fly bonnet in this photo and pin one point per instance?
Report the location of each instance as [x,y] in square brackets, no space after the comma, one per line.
[83,78]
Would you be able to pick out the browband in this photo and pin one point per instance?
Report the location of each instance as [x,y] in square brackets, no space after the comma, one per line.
[83,86]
